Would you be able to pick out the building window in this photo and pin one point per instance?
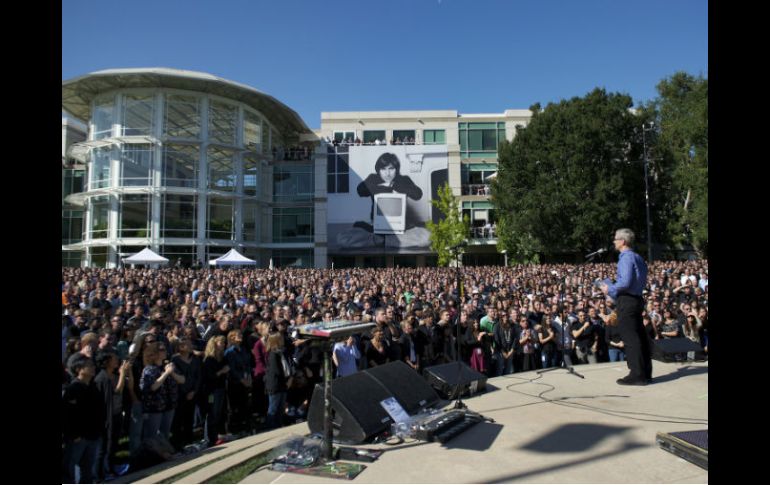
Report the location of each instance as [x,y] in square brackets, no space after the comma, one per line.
[295,258]
[134,215]
[403,137]
[345,136]
[250,175]
[183,117]
[179,255]
[252,131]
[103,117]
[71,226]
[337,170]
[137,115]
[220,218]
[180,166]
[250,215]
[223,119]
[136,165]
[371,135]
[100,168]
[221,170]
[480,139]
[292,224]
[72,182]
[100,211]
[433,137]
[179,216]
[71,259]
[292,182]
[99,256]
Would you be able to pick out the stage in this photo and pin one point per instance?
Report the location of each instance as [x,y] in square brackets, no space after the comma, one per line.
[549,428]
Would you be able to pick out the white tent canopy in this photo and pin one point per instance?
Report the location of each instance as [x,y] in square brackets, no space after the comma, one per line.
[145,256]
[232,258]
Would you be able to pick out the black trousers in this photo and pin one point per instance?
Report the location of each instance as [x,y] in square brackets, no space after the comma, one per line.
[638,347]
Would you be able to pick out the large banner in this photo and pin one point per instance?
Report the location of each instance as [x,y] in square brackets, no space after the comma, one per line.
[382,204]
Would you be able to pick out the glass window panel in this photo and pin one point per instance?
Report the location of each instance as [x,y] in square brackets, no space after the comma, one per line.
[100,211]
[489,140]
[294,224]
[403,135]
[136,162]
[250,220]
[474,140]
[252,131]
[179,216]
[265,138]
[482,126]
[250,176]
[370,136]
[293,181]
[137,115]
[220,218]
[331,183]
[179,255]
[103,117]
[134,215]
[222,122]
[463,140]
[297,258]
[100,168]
[221,170]
[183,117]
[180,166]
[343,183]
[500,136]
[501,125]
[99,256]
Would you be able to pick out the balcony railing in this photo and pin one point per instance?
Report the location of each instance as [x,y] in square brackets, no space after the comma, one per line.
[476,189]
[483,232]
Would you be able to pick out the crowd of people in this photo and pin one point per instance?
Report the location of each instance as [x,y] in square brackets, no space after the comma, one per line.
[407,140]
[294,152]
[160,356]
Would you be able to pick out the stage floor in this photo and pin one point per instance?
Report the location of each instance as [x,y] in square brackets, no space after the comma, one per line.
[549,428]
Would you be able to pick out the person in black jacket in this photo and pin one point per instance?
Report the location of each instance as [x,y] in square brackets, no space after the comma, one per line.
[215,371]
[83,418]
[276,375]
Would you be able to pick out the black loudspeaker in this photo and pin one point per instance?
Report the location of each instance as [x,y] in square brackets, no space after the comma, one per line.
[448,378]
[356,411]
[406,385]
[357,414]
[676,350]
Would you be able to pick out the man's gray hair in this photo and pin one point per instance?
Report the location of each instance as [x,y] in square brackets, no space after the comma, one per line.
[626,235]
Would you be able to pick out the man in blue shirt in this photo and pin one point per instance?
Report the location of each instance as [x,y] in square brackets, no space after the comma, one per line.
[627,293]
[345,355]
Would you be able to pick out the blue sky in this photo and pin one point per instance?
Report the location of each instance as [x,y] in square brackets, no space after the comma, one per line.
[473,56]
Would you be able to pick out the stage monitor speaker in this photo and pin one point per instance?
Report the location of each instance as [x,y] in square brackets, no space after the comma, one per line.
[677,350]
[447,379]
[356,412]
[406,385]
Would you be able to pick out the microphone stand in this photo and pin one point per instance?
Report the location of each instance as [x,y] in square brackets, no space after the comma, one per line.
[565,354]
[460,294]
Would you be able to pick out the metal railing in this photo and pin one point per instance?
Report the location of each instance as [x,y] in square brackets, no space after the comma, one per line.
[476,189]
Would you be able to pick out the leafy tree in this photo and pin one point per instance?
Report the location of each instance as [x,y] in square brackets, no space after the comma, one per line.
[681,152]
[449,231]
[570,177]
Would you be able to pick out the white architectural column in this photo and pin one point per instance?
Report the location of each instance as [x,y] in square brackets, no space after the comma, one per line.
[202,179]
[155,172]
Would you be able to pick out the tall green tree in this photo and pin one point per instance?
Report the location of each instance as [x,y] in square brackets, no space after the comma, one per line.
[571,177]
[681,152]
[449,231]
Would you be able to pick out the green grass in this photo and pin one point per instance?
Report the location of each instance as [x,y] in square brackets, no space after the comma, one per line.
[239,472]
[179,476]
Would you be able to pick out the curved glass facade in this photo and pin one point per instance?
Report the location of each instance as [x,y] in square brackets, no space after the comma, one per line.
[177,170]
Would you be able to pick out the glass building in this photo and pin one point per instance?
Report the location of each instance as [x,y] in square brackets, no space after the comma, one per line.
[189,165]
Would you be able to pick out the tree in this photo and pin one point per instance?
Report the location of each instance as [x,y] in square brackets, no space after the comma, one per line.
[570,177]
[449,231]
[681,113]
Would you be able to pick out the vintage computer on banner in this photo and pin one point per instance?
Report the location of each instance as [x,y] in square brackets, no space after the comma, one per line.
[389,213]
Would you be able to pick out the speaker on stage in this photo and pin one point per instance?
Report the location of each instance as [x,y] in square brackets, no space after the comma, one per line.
[448,378]
[677,350]
[357,415]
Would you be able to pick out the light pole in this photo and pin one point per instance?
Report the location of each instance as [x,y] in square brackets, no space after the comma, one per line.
[505,254]
[647,191]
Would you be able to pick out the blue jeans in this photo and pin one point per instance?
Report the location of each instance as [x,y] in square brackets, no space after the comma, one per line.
[550,360]
[504,366]
[151,425]
[81,454]
[617,355]
[276,403]
[167,418]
